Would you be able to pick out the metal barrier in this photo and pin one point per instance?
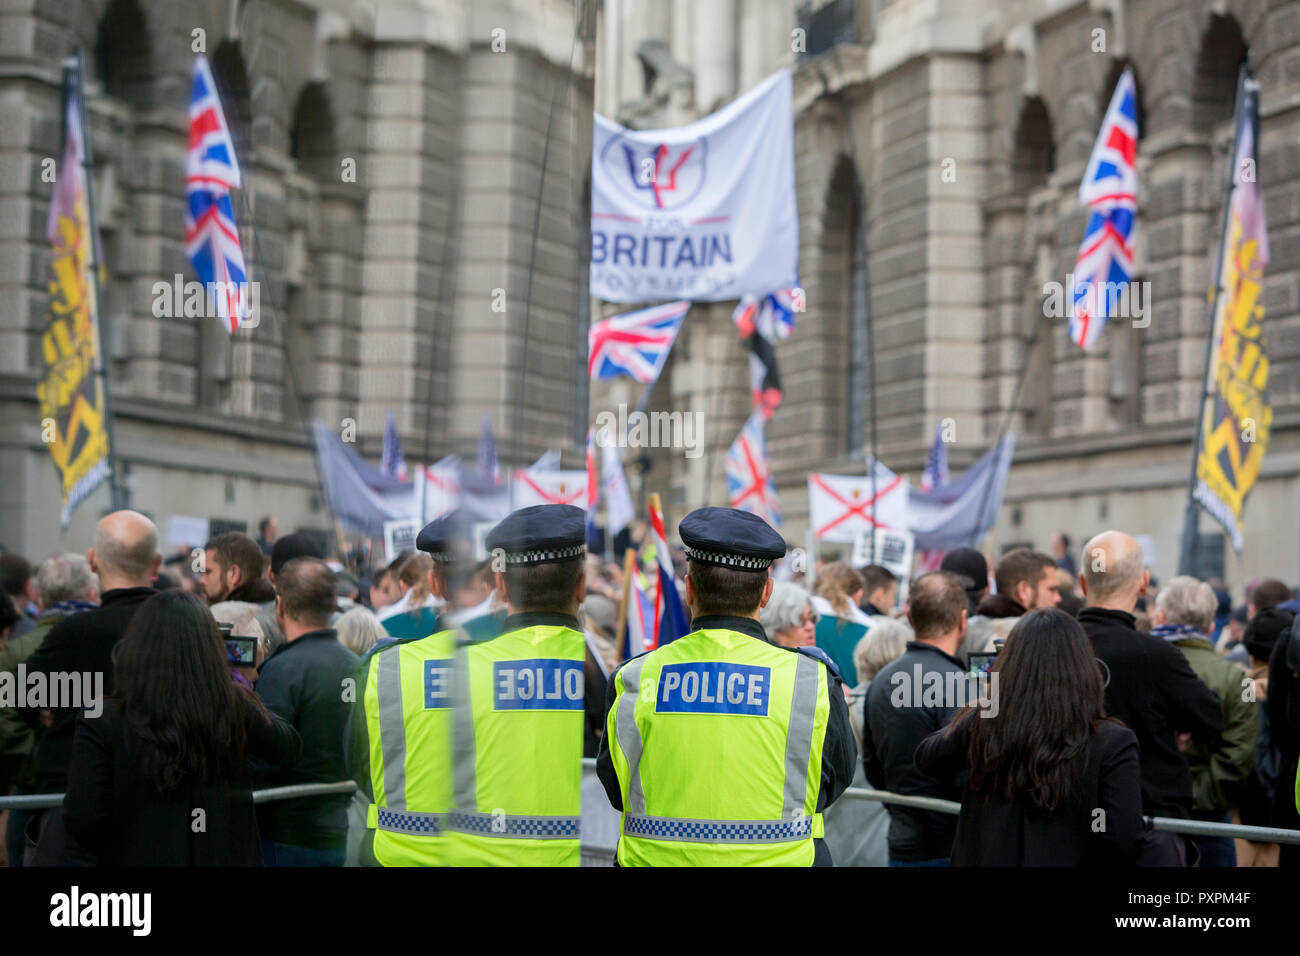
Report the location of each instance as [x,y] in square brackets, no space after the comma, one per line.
[33,801]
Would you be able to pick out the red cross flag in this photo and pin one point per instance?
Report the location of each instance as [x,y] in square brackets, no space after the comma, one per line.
[550,488]
[841,507]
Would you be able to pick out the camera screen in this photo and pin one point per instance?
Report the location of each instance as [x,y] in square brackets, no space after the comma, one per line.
[242,650]
[981,663]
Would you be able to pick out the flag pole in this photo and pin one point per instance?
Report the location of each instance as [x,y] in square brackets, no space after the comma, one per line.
[1191,516]
[629,563]
[73,66]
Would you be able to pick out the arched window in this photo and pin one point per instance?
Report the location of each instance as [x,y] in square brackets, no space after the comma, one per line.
[231,75]
[844,295]
[311,138]
[1214,89]
[123,54]
[1033,158]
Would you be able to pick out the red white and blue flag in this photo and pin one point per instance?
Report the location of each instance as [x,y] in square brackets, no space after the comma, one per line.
[1109,189]
[655,613]
[634,343]
[772,315]
[762,323]
[391,460]
[211,172]
[750,486]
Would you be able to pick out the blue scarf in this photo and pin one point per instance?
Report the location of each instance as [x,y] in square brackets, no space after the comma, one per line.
[1178,632]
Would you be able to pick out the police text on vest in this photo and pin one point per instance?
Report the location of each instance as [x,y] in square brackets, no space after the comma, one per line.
[714,687]
[540,684]
[437,685]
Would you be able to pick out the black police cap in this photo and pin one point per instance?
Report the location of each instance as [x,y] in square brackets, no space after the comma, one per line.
[541,534]
[730,539]
[434,539]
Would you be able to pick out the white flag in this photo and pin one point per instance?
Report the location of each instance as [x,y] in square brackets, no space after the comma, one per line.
[841,507]
[619,510]
[550,488]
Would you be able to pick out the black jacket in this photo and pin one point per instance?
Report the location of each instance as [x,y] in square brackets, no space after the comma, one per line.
[897,716]
[1155,692]
[994,832]
[310,682]
[81,644]
[117,814]
[839,752]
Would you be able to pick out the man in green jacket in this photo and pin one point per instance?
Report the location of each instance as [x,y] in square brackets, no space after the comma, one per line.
[1184,616]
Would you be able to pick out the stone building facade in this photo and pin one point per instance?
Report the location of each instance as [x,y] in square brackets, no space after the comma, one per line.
[392,154]
[939,145]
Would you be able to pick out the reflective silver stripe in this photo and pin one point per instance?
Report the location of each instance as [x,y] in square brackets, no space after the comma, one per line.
[799,733]
[683,830]
[410,822]
[463,753]
[629,734]
[515,826]
[392,728]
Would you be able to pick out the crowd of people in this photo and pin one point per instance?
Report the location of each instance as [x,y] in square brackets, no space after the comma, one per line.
[1104,698]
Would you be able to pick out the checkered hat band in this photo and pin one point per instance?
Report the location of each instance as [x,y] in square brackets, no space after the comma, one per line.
[727,560]
[442,557]
[717,831]
[545,557]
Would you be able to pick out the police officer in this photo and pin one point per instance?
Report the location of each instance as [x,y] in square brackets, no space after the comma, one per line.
[400,737]
[723,749]
[519,702]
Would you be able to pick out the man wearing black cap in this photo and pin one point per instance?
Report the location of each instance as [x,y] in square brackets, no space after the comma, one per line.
[519,701]
[723,749]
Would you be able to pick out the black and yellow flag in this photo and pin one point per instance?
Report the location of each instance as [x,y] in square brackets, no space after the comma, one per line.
[1235,415]
[71,393]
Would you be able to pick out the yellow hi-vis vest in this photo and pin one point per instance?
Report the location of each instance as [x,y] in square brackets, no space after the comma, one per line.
[518,750]
[408,707]
[716,739]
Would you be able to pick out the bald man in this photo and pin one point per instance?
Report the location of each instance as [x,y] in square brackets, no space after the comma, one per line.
[1150,685]
[125,556]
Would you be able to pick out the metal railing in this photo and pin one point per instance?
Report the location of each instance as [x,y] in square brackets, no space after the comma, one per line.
[36,801]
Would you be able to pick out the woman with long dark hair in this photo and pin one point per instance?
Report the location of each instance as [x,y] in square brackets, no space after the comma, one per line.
[1053,781]
[160,777]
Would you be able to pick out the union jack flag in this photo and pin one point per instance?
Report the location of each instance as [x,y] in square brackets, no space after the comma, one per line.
[391,460]
[211,171]
[763,322]
[750,486]
[772,315]
[1109,189]
[634,343]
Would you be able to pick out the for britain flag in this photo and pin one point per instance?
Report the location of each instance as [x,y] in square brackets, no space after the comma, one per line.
[1109,189]
[211,172]
[634,343]
[750,486]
